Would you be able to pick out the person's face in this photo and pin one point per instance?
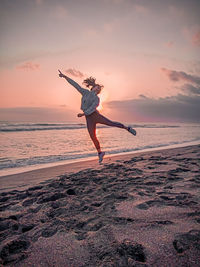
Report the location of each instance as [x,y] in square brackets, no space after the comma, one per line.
[96,89]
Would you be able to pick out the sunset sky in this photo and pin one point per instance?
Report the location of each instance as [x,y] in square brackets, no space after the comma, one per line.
[146,53]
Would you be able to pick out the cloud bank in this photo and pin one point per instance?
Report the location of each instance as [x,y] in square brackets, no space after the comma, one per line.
[176,76]
[179,108]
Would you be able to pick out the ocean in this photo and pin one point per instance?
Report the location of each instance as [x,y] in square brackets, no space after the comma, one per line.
[28,146]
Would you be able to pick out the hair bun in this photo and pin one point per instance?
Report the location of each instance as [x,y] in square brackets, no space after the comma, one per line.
[91,82]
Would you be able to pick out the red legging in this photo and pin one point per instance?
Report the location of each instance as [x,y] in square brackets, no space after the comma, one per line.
[95,118]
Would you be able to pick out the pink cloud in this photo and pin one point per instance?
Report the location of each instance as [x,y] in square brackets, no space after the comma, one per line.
[92,33]
[38,2]
[60,12]
[29,66]
[196,39]
[169,44]
[141,9]
[74,72]
[192,34]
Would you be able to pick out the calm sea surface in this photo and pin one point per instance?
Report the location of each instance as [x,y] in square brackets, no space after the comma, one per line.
[25,146]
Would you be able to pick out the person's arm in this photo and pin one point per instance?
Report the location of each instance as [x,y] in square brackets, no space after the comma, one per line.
[73,83]
[92,107]
[80,115]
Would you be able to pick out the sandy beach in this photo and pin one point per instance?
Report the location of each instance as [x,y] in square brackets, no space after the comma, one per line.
[134,210]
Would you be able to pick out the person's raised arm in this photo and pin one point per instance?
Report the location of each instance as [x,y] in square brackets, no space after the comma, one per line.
[73,83]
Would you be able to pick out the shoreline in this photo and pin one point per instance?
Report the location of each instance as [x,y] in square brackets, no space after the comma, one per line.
[23,180]
[19,170]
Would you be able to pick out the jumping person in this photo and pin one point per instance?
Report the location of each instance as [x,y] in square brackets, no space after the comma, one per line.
[89,103]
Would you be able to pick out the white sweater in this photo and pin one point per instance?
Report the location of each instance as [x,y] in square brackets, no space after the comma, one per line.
[89,100]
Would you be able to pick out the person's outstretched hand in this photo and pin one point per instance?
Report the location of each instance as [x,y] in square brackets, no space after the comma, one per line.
[61,74]
[80,115]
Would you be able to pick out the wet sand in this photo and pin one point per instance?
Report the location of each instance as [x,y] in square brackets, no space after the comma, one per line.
[134,210]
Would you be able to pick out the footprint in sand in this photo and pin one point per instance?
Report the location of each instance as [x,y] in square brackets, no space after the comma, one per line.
[133,250]
[188,240]
[49,231]
[121,220]
[150,203]
[143,206]
[13,251]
